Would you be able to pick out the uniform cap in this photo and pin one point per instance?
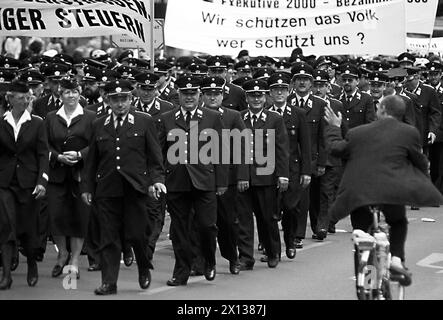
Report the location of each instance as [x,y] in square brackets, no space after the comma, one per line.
[188,83]
[279,79]
[212,84]
[147,79]
[118,87]
[255,85]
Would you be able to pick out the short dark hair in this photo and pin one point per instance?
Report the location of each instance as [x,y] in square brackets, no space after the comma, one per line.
[394,106]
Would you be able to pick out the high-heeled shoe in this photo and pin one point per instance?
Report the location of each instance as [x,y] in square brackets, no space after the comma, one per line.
[6,283]
[58,269]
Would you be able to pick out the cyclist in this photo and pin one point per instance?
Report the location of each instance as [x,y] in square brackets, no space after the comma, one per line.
[384,166]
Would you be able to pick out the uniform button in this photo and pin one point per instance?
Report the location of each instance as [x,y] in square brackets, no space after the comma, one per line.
[186,142]
[347,119]
[186,161]
[18,166]
[186,151]
[252,159]
[118,148]
[118,139]
[118,158]
[118,167]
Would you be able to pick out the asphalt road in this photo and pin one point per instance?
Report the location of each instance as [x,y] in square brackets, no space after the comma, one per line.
[320,271]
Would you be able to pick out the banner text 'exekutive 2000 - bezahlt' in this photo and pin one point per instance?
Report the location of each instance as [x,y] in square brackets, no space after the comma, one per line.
[274,27]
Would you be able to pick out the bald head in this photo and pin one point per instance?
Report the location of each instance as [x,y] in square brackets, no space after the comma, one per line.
[393,106]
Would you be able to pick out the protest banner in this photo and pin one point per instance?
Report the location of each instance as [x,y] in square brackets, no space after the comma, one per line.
[420,16]
[275,27]
[76,18]
[125,41]
[423,46]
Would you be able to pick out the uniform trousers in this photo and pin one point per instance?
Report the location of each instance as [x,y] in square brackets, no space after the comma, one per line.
[288,202]
[122,219]
[156,217]
[302,213]
[180,205]
[262,202]
[19,218]
[436,158]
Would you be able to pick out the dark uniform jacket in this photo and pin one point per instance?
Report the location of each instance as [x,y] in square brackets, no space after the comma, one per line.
[170,94]
[428,111]
[232,120]
[28,157]
[271,124]
[439,90]
[189,171]
[234,97]
[59,135]
[42,106]
[99,109]
[360,111]
[157,109]
[337,106]
[380,170]
[299,142]
[134,155]
[315,109]
[336,91]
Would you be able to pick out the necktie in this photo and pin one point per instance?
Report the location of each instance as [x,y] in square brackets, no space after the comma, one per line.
[57,104]
[188,118]
[375,104]
[349,99]
[254,119]
[302,103]
[119,124]
[145,108]
[280,111]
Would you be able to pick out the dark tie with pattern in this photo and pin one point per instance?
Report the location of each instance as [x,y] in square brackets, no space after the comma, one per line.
[188,118]
[57,104]
[254,120]
[119,124]
[302,103]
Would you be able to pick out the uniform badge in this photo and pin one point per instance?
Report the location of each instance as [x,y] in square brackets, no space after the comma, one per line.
[418,91]
[57,73]
[147,81]
[104,79]
[2,79]
[157,105]
[256,88]
[29,78]
[108,119]
[130,118]
[118,89]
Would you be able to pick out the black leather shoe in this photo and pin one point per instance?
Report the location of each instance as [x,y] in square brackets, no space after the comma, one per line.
[246,266]
[144,280]
[210,273]
[14,262]
[260,247]
[128,258]
[106,289]
[174,282]
[321,234]
[272,262]
[290,253]
[234,267]
[94,267]
[401,275]
[32,276]
[5,283]
[331,229]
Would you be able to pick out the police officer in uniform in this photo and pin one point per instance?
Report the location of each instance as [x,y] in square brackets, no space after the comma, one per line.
[193,185]
[227,209]
[233,96]
[299,156]
[24,162]
[302,80]
[261,198]
[124,160]
[149,102]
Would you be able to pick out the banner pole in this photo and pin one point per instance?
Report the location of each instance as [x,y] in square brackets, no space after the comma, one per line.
[429,44]
[152,53]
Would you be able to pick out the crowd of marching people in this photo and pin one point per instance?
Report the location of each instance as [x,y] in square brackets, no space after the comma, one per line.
[85,145]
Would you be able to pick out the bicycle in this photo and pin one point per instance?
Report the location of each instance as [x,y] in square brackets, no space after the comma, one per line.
[374,281]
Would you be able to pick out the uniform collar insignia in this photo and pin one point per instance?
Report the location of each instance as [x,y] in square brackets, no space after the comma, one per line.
[418,91]
[263,116]
[177,114]
[358,95]
[99,108]
[309,104]
[294,101]
[108,119]
[220,109]
[131,118]
[199,113]
[246,116]
[157,105]
[226,89]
